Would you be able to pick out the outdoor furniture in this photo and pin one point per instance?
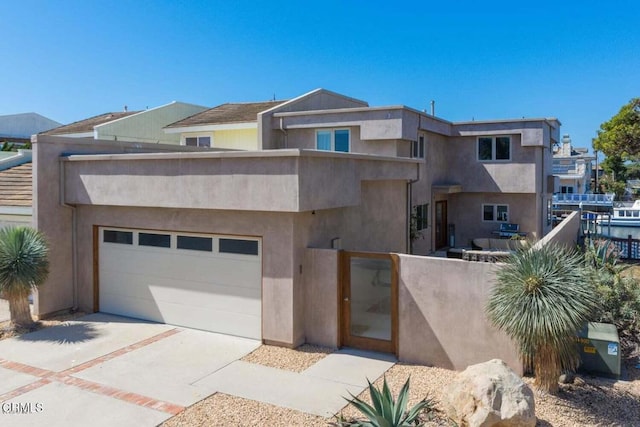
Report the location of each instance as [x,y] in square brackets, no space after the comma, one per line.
[508,230]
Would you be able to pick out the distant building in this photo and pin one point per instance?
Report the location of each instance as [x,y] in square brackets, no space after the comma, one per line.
[20,127]
[132,126]
[573,167]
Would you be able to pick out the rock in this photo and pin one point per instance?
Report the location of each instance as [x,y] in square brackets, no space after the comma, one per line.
[490,394]
[566,378]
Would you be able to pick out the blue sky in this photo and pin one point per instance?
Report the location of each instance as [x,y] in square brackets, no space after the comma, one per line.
[577,61]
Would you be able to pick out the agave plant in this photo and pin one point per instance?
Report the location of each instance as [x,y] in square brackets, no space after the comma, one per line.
[385,411]
[24,265]
[541,299]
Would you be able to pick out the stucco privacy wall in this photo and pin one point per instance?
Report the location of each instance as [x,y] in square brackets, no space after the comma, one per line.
[321,296]
[442,320]
[55,220]
[565,233]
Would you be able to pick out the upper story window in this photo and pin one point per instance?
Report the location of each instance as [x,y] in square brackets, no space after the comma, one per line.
[333,140]
[198,141]
[491,148]
[417,148]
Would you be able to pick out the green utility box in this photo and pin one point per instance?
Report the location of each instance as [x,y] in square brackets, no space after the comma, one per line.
[599,348]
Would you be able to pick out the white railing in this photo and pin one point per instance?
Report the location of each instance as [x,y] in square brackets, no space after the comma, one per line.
[587,199]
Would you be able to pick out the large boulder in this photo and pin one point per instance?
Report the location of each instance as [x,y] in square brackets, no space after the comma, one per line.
[490,394]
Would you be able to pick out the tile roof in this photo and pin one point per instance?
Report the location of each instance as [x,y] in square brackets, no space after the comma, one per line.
[15,186]
[87,125]
[227,113]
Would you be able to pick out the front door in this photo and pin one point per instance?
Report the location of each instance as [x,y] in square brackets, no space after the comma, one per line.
[369,301]
[441,224]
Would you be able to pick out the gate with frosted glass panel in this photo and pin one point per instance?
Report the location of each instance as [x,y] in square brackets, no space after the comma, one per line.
[369,301]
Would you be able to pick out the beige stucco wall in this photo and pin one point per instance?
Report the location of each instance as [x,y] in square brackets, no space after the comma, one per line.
[441,308]
[321,296]
[465,211]
[56,220]
[566,233]
[269,133]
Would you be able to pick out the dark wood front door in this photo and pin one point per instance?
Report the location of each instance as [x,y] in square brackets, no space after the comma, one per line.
[441,224]
[369,298]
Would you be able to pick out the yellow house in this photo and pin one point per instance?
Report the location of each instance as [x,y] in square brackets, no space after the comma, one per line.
[231,126]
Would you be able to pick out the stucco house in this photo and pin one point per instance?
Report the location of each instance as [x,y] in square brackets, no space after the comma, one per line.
[294,226]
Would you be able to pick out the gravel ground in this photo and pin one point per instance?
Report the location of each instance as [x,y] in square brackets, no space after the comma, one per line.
[284,358]
[588,402]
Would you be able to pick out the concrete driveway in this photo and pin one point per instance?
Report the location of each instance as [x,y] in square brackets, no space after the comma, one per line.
[104,370]
[109,370]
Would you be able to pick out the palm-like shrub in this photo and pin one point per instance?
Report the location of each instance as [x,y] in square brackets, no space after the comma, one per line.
[541,299]
[618,293]
[24,265]
[385,411]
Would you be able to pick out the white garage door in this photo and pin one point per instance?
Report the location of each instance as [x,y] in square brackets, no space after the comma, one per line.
[209,282]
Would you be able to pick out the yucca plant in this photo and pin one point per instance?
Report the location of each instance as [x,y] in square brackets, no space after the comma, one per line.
[385,411]
[541,299]
[24,266]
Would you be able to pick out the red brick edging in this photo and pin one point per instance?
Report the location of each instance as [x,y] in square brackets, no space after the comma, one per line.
[64,377]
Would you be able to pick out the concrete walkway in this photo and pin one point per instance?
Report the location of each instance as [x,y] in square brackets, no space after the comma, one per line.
[135,373]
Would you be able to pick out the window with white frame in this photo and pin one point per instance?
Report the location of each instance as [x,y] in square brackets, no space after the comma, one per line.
[499,213]
[198,141]
[492,148]
[333,140]
[417,148]
[422,216]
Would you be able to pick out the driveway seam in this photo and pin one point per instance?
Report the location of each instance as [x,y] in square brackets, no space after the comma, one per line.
[65,377]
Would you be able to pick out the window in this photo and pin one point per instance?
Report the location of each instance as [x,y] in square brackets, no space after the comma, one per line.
[238,246]
[422,216]
[157,240]
[498,213]
[418,148]
[198,141]
[333,140]
[494,148]
[114,236]
[566,189]
[204,244]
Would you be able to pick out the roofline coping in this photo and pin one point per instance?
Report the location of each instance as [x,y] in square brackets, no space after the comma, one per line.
[234,154]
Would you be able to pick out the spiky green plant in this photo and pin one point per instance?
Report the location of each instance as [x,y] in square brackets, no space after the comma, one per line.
[385,411]
[541,298]
[24,265]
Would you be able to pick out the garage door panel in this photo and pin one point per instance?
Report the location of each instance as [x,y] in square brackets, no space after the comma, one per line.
[196,289]
[176,266]
[245,325]
[197,294]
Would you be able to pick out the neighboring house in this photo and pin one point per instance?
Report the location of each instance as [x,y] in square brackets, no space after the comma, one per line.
[20,127]
[231,126]
[15,188]
[131,126]
[573,167]
[246,235]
